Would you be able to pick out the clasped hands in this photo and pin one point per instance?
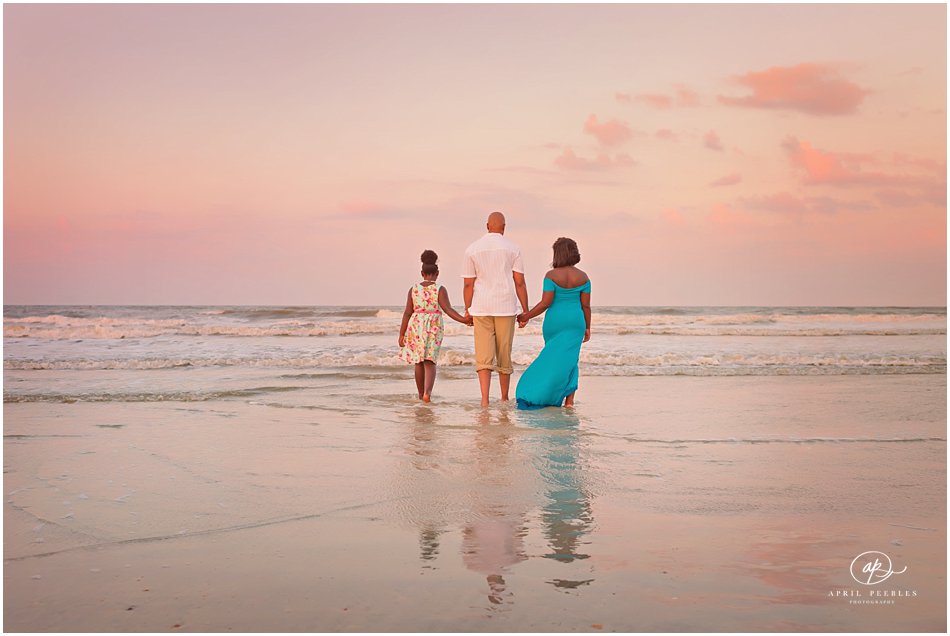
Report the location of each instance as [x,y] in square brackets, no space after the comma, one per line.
[522,321]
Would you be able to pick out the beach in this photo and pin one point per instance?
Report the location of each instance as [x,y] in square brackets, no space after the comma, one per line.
[215,216]
[191,469]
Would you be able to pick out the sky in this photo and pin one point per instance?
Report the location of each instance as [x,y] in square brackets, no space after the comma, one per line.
[308,154]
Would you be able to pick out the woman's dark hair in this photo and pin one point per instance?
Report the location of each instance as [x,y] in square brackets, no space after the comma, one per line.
[565,253]
[428,263]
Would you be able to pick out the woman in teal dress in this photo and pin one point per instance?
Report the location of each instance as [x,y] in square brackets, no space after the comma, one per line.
[552,378]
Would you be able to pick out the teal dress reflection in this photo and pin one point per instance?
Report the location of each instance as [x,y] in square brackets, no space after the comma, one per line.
[568,514]
[553,374]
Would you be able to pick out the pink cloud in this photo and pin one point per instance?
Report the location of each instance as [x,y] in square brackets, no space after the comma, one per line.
[609,133]
[897,198]
[818,166]
[666,134]
[783,202]
[816,89]
[672,216]
[829,205]
[821,167]
[522,169]
[711,140]
[570,161]
[686,96]
[660,102]
[934,195]
[683,96]
[901,159]
[623,159]
[725,215]
[728,180]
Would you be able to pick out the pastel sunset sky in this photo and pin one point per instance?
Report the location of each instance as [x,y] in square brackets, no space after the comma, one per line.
[306,154]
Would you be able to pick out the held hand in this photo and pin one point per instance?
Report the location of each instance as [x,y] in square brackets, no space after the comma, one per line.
[468,319]
[522,321]
[586,335]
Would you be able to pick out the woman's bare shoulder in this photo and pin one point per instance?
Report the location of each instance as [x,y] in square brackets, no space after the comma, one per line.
[573,277]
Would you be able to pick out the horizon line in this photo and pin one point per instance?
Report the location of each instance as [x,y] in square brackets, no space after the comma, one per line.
[399,305]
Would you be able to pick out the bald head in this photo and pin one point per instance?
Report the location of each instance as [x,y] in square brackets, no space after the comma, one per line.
[496,222]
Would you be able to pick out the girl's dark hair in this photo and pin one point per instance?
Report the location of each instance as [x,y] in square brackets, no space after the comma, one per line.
[565,253]
[428,263]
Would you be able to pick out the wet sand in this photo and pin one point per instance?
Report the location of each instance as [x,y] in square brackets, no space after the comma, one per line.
[658,504]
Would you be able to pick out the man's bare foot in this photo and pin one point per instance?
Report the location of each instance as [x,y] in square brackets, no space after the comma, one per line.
[484,401]
[426,398]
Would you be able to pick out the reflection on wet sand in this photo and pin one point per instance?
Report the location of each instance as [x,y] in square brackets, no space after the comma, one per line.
[493,538]
[798,564]
[566,516]
[423,453]
[517,474]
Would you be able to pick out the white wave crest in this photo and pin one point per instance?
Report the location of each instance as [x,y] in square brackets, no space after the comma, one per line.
[614,363]
[386,321]
[740,331]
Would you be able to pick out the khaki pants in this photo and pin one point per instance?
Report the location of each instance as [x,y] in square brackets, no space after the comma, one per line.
[493,336]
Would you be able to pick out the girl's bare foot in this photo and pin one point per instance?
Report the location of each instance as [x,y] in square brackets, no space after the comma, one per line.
[426,398]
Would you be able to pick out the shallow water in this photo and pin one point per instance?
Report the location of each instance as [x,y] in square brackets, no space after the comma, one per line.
[627,341]
[657,504]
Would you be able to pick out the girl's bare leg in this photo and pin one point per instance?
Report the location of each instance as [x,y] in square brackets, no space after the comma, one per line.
[569,400]
[420,378]
[430,380]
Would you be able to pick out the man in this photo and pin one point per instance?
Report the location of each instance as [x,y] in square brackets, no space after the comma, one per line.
[493,272]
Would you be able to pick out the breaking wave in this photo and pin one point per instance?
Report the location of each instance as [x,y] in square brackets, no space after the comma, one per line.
[593,362]
[356,322]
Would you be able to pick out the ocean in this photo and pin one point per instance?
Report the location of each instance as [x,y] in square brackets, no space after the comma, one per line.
[272,469]
[271,344]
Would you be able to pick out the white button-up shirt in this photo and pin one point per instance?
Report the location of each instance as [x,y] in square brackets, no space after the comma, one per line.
[490,261]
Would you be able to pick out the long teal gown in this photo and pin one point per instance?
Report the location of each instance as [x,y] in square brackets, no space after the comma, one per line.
[553,374]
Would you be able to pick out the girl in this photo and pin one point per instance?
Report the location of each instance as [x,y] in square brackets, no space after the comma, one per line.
[420,335]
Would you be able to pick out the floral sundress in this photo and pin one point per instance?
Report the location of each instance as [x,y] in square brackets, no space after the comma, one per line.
[424,332]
